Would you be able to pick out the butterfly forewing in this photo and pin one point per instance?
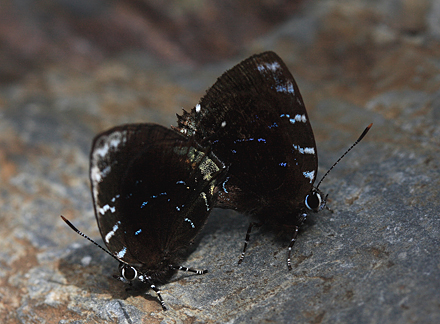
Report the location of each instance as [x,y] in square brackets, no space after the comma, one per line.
[153,190]
[255,121]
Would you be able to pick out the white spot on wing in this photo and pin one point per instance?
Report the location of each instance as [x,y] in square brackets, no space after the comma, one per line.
[309,175]
[112,232]
[223,124]
[190,221]
[103,210]
[101,159]
[287,87]
[298,118]
[95,174]
[269,66]
[121,253]
[198,108]
[109,142]
[304,150]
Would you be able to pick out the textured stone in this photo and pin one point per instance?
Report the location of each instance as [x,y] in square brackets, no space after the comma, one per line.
[374,259]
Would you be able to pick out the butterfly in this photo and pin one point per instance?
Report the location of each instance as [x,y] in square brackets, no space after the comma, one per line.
[152,190]
[247,145]
[254,120]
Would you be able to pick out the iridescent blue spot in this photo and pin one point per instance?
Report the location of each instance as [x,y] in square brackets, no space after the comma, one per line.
[283,164]
[233,151]
[244,140]
[138,231]
[273,125]
[262,140]
[284,88]
[144,204]
[223,185]
[285,115]
[256,117]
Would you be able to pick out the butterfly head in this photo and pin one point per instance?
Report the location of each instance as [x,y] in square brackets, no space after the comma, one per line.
[315,201]
[127,273]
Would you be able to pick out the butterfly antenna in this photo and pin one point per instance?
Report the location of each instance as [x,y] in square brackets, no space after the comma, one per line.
[349,149]
[85,236]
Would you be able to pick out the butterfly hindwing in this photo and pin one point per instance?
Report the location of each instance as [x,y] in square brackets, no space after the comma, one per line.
[152,189]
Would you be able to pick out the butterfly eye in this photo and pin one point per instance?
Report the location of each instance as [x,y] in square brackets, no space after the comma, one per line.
[313,201]
[128,272]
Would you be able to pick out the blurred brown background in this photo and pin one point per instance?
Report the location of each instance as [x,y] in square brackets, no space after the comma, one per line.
[83,33]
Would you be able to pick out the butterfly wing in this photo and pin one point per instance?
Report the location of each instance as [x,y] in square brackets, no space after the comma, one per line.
[255,120]
[152,190]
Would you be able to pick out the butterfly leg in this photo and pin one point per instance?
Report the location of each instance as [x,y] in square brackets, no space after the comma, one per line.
[289,250]
[181,268]
[246,241]
[147,280]
[157,290]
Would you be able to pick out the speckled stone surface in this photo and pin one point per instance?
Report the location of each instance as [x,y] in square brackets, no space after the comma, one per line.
[374,259]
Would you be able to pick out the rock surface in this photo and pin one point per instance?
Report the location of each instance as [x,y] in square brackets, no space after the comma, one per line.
[375,259]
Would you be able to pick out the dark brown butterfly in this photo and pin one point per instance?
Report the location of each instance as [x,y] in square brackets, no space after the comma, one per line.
[153,190]
[255,121]
[248,145]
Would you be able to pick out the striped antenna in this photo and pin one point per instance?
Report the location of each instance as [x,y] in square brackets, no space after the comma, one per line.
[349,149]
[85,236]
